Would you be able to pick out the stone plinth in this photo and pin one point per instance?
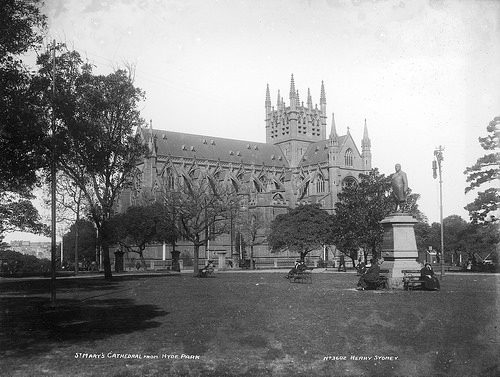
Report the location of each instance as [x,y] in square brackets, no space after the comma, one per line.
[399,248]
[222,260]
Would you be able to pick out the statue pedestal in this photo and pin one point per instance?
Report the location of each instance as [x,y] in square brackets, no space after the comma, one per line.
[399,247]
[222,260]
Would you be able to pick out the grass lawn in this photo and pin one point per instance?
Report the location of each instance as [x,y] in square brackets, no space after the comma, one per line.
[248,324]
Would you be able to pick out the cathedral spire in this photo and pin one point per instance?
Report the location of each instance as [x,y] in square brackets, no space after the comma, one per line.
[322,99]
[309,99]
[268,96]
[366,153]
[366,142]
[334,137]
[292,92]
[151,143]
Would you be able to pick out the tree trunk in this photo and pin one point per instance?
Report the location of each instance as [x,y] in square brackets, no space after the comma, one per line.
[76,245]
[106,261]
[141,256]
[195,259]
[252,263]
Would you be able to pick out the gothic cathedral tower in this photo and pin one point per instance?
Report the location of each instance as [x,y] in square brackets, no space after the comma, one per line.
[293,128]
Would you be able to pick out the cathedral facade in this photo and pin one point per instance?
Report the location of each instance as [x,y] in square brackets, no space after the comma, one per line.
[298,164]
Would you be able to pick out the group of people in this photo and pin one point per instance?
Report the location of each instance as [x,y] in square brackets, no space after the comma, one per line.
[370,276]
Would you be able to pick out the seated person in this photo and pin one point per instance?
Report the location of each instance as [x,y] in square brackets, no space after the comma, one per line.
[361,267]
[301,267]
[370,276]
[208,269]
[294,269]
[431,282]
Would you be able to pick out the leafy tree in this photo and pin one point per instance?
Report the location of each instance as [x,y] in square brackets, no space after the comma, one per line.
[455,228]
[21,26]
[19,214]
[359,211]
[140,226]
[301,230]
[361,207]
[96,117]
[15,263]
[484,171]
[202,208]
[85,232]
[23,127]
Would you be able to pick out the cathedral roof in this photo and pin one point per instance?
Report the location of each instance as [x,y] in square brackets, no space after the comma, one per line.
[317,152]
[179,144]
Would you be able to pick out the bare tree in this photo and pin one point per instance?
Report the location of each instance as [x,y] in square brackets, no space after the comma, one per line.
[202,209]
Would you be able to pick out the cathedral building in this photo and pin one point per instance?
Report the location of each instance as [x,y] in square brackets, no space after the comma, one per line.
[298,164]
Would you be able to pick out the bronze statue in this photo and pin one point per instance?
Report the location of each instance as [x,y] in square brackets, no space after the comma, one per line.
[399,183]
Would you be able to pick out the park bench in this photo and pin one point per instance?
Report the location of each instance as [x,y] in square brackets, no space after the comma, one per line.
[412,280]
[206,272]
[382,281]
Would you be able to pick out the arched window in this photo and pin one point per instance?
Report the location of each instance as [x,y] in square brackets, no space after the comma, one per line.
[349,182]
[169,179]
[320,183]
[263,183]
[348,157]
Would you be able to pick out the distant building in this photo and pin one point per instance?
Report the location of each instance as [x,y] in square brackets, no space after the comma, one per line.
[38,249]
[298,163]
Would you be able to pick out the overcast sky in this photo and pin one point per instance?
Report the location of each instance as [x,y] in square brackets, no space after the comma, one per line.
[422,73]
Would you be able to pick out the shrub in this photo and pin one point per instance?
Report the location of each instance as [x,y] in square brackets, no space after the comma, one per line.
[14,263]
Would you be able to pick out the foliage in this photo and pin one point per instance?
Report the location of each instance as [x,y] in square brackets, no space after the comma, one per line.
[96,118]
[202,208]
[302,230]
[14,263]
[361,207]
[484,171]
[23,127]
[21,26]
[85,231]
[19,214]
[140,226]
[480,240]
[471,240]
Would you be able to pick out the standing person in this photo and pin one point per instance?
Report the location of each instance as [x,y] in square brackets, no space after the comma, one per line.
[342,263]
[370,276]
[399,183]
[431,282]
[361,267]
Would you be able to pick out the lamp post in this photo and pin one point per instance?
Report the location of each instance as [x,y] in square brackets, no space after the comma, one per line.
[436,164]
[53,179]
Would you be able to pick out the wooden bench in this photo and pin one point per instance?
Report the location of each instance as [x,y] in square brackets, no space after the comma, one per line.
[412,280]
[382,281]
[301,277]
[206,272]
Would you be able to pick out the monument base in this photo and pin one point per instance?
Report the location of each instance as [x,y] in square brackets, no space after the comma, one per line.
[399,247]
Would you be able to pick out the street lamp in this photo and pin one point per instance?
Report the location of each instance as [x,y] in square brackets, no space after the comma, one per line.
[436,164]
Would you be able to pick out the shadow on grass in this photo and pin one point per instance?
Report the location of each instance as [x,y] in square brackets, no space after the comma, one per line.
[76,284]
[29,325]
